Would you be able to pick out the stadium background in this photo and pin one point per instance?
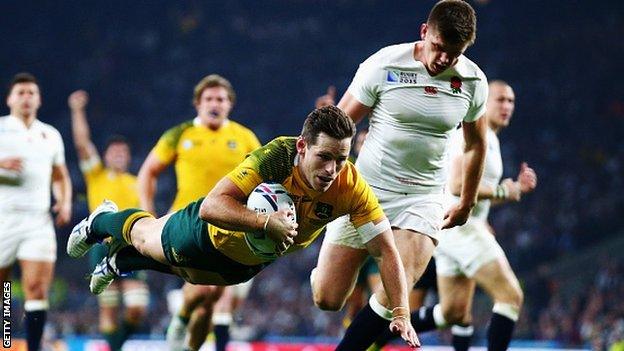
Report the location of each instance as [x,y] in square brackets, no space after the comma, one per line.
[140,59]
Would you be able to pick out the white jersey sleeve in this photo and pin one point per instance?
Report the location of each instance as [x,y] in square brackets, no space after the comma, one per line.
[480,96]
[366,84]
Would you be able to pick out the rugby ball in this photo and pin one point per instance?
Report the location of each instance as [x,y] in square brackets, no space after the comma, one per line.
[267,198]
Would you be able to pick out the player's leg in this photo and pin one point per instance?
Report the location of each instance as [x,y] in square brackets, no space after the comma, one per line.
[36,280]
[426,283]
[136,300]
[199,324]
[36,255]
[192,297]
[367,280]
[499,281]
[222,318]
[415,250]
[341,256]
[108,302]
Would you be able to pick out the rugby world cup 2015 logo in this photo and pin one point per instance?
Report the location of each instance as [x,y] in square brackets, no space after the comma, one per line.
[400,77]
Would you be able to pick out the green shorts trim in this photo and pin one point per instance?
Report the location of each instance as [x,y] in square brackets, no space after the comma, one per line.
[186,243]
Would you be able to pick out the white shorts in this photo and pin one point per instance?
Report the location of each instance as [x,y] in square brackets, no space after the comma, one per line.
[463,250]
[26,236]
[421,213]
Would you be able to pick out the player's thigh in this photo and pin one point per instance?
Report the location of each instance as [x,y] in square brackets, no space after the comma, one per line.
[335,274]
[456,294]
[36,278]
[499,281]
[415,250]
[195,293]
[147,237]
[233,296]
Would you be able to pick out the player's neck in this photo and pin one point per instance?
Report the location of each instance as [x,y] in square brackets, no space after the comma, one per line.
[212,125]
[418,50]
[27,119]
[494,127]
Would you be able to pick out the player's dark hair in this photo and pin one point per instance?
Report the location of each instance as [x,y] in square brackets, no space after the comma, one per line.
[329,120]
[455,20]
[22,77]
[116,139]
[211,81]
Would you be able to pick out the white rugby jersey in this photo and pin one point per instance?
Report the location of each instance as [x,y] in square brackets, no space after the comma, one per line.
[40,147]
[492,171]
[412,117]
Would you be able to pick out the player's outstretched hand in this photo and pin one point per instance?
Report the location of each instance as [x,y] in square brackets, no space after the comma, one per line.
[403,327]
[456,215]
[78,100]
[328,99]
[282,229]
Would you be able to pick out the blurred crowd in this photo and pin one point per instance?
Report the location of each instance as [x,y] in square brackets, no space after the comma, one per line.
[139,61]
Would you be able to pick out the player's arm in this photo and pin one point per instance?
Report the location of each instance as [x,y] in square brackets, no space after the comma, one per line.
[62,191]
[81,132]
[353,107]
[383,249]
[473,159]
[147,181]
[507,191]
[225,208]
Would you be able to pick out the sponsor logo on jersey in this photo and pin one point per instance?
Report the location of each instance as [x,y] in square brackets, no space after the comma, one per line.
[429,90]
[323,210]
[232,144]
[400,77]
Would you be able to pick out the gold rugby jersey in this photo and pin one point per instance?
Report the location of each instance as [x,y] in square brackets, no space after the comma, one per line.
[203,156]
[102,183]
[275,162]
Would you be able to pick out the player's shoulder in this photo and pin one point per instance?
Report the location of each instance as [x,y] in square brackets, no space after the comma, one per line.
[466,68]
[283,146]
[48,129]
[173,134]
[349,179]
[240,127]
[391,54]
[275,160]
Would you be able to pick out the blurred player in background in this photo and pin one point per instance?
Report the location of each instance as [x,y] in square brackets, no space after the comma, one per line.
[203,150]
[109,180]
[32,159]
[469,255]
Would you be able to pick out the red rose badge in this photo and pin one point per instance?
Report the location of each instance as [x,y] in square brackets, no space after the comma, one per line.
[456,84]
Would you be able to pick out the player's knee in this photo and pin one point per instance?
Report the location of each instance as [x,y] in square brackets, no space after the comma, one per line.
[455,313]
[200,312]
[517,296]
[328,302]
[36,290]
[135,314]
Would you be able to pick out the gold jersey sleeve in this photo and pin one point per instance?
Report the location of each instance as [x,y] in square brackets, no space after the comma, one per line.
[203,156]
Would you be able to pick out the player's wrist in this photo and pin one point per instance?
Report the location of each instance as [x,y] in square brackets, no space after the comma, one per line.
[400,312]
[501,192]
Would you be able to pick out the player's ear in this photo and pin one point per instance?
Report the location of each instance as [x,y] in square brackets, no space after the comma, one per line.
[301,145]
[423,31]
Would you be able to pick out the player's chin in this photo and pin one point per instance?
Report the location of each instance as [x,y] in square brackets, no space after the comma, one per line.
[322,185]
